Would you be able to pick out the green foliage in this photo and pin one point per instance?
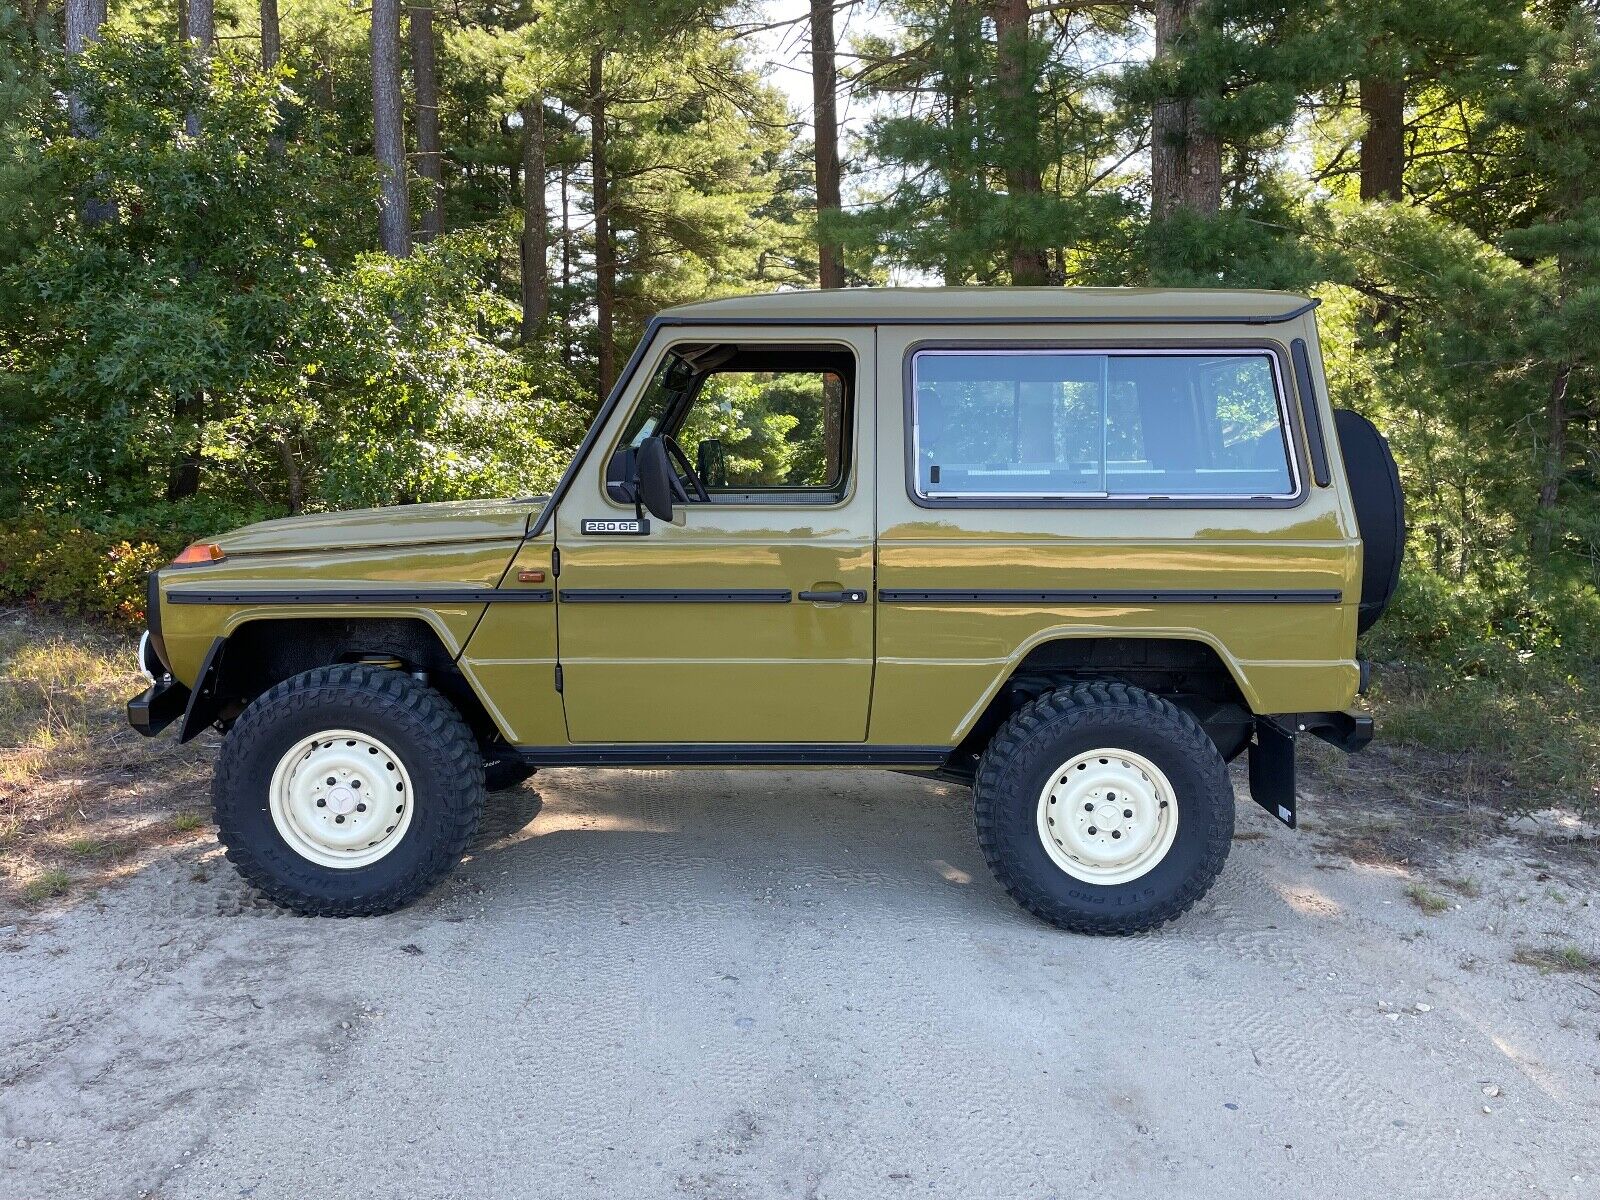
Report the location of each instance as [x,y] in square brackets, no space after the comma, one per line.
[51,561]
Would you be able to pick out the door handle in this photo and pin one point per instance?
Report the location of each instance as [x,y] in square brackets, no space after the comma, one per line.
[843,596]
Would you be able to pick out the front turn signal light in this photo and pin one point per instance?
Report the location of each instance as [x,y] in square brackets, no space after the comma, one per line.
[200,552]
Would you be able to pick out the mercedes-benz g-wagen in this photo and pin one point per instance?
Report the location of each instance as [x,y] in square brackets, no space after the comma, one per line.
[1076,548]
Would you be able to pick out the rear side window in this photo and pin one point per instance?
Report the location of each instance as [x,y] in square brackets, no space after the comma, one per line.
[1134,425]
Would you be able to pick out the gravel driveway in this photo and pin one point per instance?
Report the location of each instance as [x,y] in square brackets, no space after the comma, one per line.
[717,984]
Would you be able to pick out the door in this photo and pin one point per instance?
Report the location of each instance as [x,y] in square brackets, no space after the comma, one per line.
[749,617]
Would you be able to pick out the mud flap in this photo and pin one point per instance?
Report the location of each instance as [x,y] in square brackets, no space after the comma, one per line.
[1272,770]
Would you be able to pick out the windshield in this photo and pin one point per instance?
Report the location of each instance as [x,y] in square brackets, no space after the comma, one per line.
[671,381]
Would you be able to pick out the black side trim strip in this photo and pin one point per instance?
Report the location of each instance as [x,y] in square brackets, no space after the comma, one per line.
[1173,596]
[1313,417]
[675,596]
[733,754]
[363,596]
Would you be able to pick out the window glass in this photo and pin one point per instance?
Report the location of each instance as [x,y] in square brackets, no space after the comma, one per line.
[754,430]
[1041,424]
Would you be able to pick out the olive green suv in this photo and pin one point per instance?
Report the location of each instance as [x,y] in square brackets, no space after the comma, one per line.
[1076,548]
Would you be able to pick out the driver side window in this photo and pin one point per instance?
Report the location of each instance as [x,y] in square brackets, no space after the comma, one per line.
[749,431]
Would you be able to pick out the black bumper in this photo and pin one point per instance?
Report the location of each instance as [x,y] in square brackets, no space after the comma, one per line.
[158,706]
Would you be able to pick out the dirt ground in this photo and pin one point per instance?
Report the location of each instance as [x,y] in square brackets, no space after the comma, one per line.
[734,985]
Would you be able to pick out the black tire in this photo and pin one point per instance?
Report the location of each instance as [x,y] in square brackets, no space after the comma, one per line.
[1380,511]
[501,774]
[1051,731]
[424,732]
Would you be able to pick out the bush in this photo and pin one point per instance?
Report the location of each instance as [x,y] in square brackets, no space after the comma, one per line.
[53,562]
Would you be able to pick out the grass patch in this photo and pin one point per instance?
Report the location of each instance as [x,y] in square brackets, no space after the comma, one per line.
[189,820]
[1557,958]
[1430,902]
[46,886]
[1503,678]
[1463,887]
[79,790]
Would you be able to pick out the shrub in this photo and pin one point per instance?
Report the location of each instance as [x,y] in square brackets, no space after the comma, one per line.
[49,561]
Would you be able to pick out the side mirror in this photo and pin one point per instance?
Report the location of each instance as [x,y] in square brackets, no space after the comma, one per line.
[653,478]
[711,463]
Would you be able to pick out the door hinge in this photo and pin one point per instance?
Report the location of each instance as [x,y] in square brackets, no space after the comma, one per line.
[558,677]
[555,560]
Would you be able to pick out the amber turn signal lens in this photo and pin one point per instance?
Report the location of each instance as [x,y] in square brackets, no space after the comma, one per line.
[200,552]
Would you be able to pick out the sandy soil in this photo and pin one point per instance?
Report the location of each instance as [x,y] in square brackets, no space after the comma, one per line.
[770,985]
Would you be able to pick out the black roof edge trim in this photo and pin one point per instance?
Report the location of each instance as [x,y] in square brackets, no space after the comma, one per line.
[733,754]
[1108,319]
[361,596]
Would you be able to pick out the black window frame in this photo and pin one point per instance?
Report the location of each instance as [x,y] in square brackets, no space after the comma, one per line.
[1290,412]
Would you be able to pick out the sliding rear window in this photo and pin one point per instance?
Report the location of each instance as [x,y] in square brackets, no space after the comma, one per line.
[1040,425]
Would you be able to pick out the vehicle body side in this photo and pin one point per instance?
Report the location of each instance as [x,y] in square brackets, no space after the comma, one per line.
[561,639]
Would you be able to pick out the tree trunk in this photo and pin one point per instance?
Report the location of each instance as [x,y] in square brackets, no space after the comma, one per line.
[1383,145]
[271,35]
[535,222]
[605,250]
[388,131]
[566,264]
[1185,158]
[83,21]
[1555,457]
[200,30]
[825,119]
[430,156]
[1014,46]
[197,20]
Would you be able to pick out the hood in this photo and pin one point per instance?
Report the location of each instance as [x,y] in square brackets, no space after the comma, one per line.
[396,525]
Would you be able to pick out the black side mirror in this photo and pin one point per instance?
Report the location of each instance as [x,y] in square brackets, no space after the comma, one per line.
[653,478]
[712,463]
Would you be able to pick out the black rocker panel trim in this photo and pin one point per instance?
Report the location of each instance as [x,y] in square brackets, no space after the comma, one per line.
[734,754]
[1121,596]
[364,596]
[676,596]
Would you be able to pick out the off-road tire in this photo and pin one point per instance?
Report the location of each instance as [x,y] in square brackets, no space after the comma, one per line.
[1048,732]
[502,774]
[435,744]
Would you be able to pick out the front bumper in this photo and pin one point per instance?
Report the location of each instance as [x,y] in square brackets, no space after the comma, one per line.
[158,706]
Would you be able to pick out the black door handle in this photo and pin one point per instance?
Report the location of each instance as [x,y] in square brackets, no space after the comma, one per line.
[847,596]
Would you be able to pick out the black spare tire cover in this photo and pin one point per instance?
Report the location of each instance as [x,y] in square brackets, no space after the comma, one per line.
[1380,510]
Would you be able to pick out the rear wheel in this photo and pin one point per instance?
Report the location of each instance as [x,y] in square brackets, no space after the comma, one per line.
[347,791]
[1103,809]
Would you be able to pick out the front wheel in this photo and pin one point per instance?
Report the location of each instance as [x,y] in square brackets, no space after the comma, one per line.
[1104,809]
[347,791]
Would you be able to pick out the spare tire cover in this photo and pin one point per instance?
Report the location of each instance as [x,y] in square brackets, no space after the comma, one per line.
[1380,510]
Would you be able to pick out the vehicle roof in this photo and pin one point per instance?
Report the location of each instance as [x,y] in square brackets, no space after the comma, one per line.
[991,304]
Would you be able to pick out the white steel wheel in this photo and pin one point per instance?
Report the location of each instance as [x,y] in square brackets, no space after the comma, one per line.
[1107,816]
[341,799]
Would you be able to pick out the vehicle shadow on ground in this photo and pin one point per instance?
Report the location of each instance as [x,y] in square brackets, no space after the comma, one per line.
[793,837]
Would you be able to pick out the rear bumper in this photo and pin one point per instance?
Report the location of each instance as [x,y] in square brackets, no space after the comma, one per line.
[1349,731]
[158,706]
